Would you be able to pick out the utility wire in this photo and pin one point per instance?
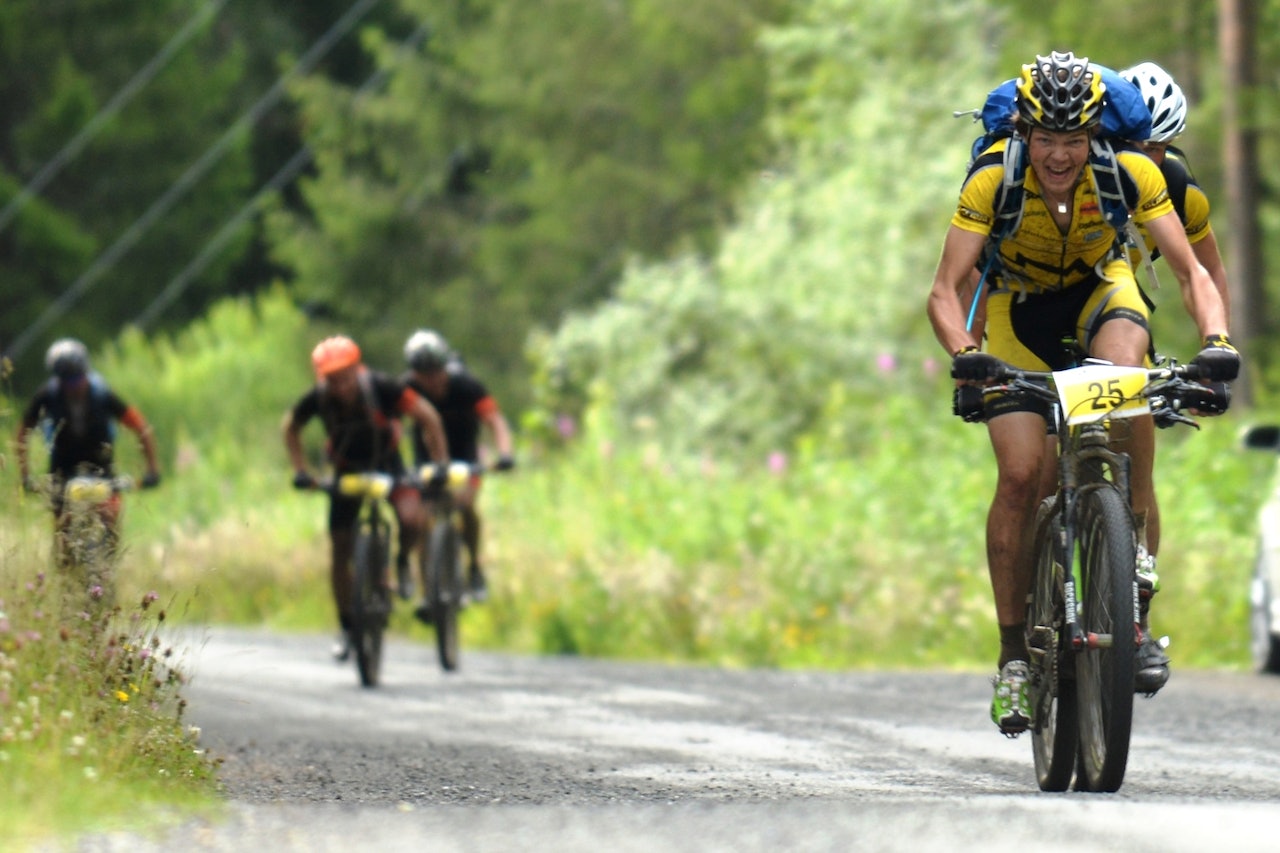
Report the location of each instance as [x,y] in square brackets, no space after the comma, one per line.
[290,170]
[144,76]
[197,170]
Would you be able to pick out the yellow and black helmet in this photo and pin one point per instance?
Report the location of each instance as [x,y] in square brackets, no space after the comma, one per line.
[1060,92]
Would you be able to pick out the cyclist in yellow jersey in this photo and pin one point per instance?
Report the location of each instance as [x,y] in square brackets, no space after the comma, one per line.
[1060,274]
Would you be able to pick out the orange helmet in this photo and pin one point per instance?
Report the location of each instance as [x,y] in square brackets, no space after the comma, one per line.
[333,354]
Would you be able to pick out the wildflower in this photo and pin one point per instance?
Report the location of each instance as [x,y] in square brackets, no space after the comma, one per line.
[886,363]
[777,463]
[566,426]
[95,592]
[148,598]
[122,696]
[90,773]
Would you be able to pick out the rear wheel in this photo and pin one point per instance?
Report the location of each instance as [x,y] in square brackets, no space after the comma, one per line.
[371,605]
[1104,670]
[445,556]
[1054,733]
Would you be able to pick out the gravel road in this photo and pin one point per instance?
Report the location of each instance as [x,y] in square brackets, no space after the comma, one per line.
[517,753]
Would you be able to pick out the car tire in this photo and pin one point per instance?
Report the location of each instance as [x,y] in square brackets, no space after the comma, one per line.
[1264,639]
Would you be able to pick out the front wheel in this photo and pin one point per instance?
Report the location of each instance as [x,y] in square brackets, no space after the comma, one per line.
[371,606]
[445,559]
[1054,735]
[1104,669]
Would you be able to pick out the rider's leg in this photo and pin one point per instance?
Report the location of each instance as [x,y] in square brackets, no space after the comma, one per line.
[1018,440]
[471,527]
[410,515]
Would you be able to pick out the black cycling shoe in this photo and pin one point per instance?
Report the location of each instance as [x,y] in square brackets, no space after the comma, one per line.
[1151,668]
[423,613]
[342,647]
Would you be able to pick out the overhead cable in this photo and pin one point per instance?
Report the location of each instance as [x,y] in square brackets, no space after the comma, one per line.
[144,76]
[286,173]
[197,170]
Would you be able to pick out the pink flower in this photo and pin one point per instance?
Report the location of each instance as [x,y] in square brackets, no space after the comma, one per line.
[777,463]
[566,426]
[886,363]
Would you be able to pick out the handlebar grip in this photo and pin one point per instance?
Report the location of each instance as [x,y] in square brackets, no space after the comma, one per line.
[969,404]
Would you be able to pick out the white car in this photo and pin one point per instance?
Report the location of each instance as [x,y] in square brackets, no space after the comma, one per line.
[1264,592]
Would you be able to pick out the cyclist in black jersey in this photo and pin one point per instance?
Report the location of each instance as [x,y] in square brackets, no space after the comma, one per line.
[79,412]
[361,411]
[465,405]
[1059,275]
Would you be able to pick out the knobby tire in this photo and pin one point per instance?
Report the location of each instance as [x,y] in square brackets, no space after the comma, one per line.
[1054,733]
[369,618]
[446,590]
[1104,676]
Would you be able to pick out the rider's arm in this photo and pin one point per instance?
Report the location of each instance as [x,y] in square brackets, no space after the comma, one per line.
[492,416]
[1206,252]
[1199,291]
[30,418]
[133,419]
[960,253]
[292,431]
[428,420]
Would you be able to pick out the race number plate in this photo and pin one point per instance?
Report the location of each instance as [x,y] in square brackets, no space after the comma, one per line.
[1096,391]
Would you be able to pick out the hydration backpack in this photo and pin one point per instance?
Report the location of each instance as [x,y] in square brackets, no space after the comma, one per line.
[1125,121]
[56,411]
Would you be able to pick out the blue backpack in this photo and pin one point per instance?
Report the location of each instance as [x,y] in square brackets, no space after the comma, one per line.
[1125,120]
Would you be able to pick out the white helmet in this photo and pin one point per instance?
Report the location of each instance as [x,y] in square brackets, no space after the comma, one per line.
[426,350]
[1163,98]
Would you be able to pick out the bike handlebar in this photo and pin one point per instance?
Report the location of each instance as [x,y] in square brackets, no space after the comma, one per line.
[1170,390]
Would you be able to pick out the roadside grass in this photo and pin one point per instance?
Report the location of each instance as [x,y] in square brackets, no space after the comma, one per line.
[92,728]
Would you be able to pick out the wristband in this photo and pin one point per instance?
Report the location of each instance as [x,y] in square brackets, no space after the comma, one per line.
[963,350]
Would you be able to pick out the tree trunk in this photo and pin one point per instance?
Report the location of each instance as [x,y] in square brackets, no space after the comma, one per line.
[1237,24]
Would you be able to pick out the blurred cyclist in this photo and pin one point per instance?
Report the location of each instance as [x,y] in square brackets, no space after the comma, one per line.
[360,410]
[79,413]
[464,404]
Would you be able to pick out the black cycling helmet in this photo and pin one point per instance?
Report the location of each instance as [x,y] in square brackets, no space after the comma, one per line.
[67,358]
[427,350]
[1060,92]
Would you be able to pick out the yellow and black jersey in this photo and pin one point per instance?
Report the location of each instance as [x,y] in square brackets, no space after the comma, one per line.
[1039,257]
[1192,205]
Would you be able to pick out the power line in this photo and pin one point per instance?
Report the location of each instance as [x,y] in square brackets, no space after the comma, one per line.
[144,76]
[197,170]
[290,170]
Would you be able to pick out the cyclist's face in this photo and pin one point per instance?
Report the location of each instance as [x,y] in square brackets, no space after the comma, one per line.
[1058,158]
[435,382]
[1156,151]
[344,384]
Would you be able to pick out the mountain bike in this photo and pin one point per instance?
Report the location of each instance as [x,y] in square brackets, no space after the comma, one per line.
[87,536]
[1083,608]
[370,601]
[442,578]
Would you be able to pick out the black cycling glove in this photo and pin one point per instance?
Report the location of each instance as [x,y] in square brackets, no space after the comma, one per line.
[1218,359]
[973,364]
[303,480]
[505,463]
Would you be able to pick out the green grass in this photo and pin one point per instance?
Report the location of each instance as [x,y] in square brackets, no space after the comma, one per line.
[92,730]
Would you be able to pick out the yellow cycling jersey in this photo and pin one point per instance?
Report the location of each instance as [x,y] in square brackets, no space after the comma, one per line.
[1039,257]
[1194,213]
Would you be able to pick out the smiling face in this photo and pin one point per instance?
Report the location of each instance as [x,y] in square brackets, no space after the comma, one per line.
[1058,159]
